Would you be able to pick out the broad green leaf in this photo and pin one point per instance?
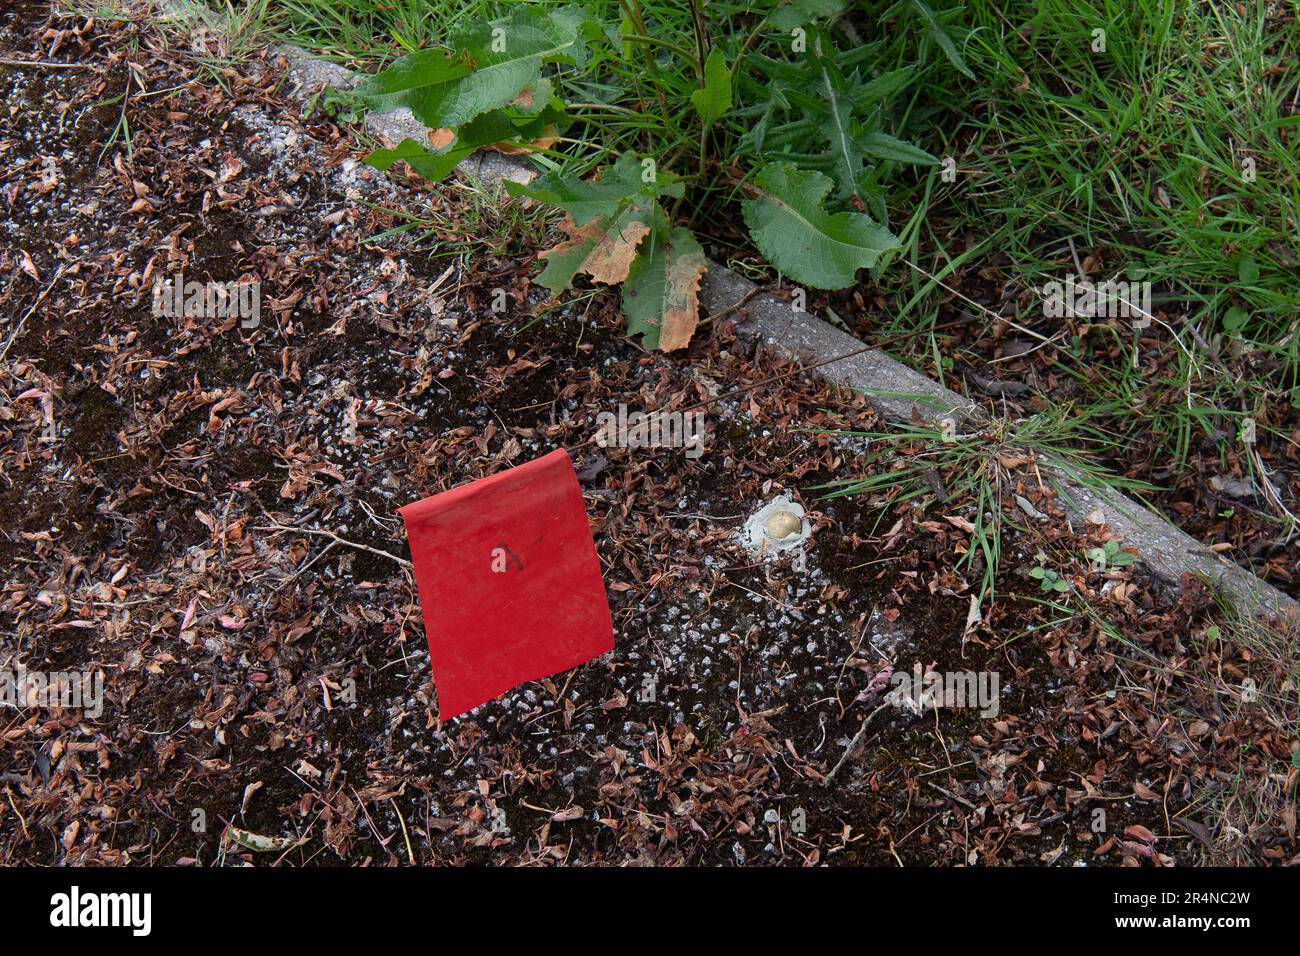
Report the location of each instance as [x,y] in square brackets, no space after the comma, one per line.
[884,146]
[432,166]
[490,66]
[779,69]
[714,99]
[796,13]
[661,294]
[583,199]
[820,114]
[1235,319]
[564,261]
[405,78]
[870,92]
[627,28]
[790,226]
[839,115]
[821,8]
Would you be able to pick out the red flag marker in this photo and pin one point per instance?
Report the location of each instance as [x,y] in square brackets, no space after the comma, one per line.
[509,581]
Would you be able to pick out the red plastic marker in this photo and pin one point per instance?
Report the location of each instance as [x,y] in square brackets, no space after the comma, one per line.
[509,581]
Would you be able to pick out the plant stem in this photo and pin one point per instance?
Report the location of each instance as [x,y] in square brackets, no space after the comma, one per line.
[701,38]
[749,40]
[633,10]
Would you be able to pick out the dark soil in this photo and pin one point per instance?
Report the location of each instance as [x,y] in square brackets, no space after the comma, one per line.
[145,459]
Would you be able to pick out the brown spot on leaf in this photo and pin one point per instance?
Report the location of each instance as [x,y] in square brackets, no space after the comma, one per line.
[611,260]
[683,313]
[550,136]
[577,236]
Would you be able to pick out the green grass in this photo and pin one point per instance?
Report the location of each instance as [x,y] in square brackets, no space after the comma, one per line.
[978,471]
[1136,151]
[613,99]
[1134,156]
[1140,149]
[479,220]
[366,33]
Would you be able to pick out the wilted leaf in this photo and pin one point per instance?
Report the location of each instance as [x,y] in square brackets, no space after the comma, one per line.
[1196,829]
[1139,832]
[661,295]
[261,844]
[611,258]
[603,248]
[1143,792]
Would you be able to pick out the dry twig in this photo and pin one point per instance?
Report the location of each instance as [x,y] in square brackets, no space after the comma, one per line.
[321,532]
[853,744]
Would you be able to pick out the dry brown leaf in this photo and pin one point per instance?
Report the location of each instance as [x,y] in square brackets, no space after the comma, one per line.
[611,260]
[577,236]
[1138,832]
[441,138]
[1143,792]
[680,321]
[962,524]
